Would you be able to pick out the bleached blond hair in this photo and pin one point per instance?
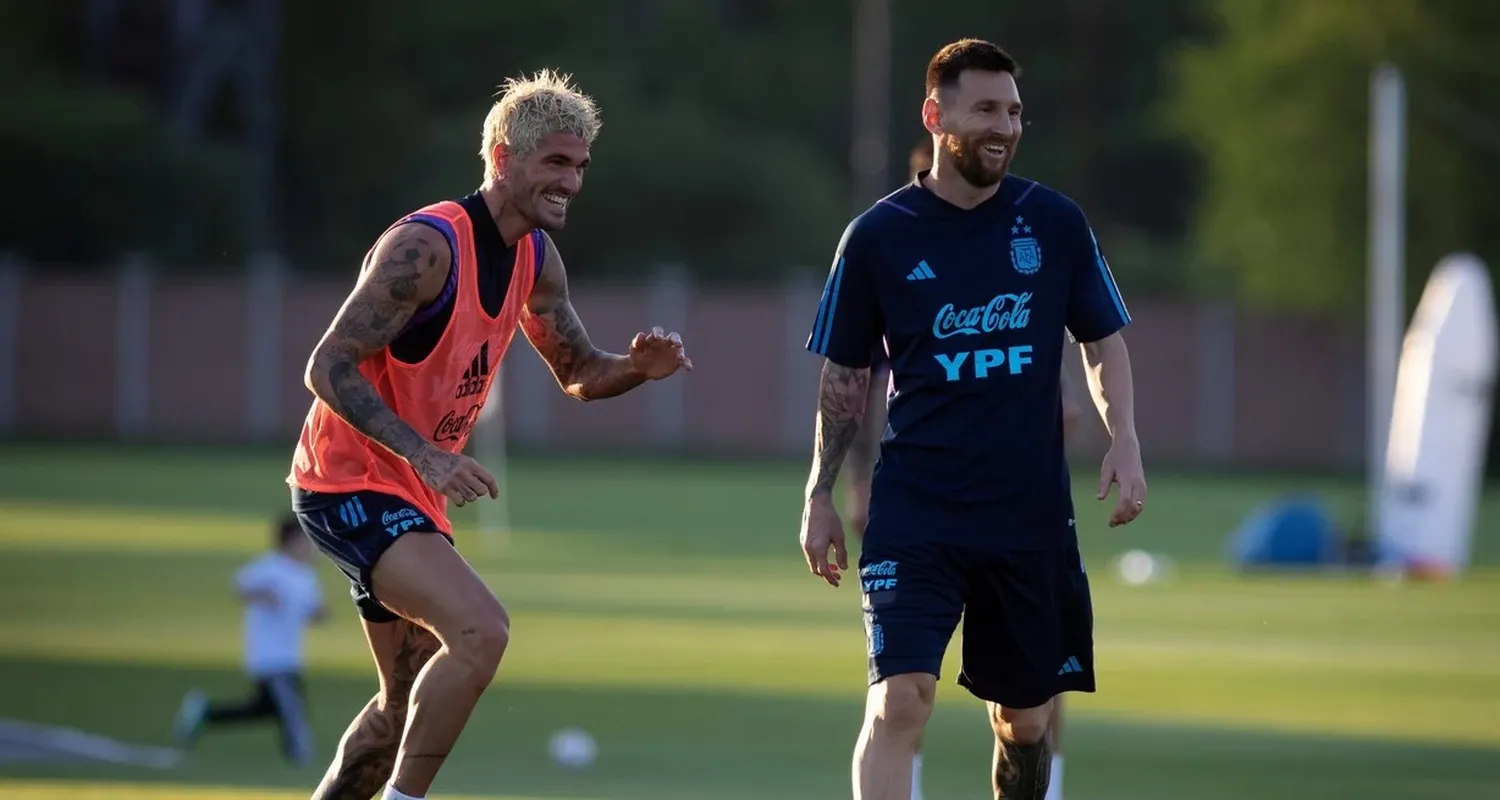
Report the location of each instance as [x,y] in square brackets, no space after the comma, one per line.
[528,109]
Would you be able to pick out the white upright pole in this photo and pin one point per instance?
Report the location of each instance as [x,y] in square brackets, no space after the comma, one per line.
[1387,269]
[494,515]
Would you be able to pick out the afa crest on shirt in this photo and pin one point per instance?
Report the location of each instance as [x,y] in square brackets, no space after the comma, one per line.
[1025,251]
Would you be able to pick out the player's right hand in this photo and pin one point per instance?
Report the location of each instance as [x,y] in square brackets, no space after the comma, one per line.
[460,478]
[822,530]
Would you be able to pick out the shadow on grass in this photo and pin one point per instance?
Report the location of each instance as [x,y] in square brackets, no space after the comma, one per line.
[719,746]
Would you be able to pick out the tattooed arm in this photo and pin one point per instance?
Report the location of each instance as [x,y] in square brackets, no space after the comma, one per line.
[841,408]
[842,394]
[848,325]
[553,328]
[406,271]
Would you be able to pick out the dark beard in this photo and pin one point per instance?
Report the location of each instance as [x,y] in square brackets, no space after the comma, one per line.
[968,161]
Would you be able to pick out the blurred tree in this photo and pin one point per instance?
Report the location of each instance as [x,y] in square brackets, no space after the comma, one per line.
[94,157]
[1278,105]
[725,141]
[101,179]
[713,141]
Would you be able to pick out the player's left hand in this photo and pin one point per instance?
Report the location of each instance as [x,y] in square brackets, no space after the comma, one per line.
[1122,465]
[658,354]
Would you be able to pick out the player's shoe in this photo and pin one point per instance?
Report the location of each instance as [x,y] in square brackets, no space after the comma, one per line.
[190,717]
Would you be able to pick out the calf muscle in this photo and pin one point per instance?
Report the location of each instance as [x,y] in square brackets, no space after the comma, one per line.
[365,757]
[367,752]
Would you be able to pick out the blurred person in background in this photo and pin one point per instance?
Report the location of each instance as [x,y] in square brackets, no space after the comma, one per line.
[282,597]
[865,451]
[399,380]
[972,276]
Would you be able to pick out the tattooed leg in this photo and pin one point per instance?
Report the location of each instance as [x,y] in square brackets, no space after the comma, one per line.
[367,753]
[422,578]
[1023,757]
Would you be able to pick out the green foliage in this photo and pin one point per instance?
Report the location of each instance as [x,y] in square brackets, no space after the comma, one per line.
[698,163]
[1278,105]
[103,177]
[724,149]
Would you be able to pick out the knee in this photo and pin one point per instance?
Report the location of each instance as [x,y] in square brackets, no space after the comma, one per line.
[1021,725]
[481,642]
[902,703]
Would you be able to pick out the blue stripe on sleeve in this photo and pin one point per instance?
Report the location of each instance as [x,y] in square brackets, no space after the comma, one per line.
[1109,281]
[823,327]
[538,252]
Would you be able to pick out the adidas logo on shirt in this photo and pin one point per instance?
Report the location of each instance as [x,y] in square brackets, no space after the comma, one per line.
[476,375]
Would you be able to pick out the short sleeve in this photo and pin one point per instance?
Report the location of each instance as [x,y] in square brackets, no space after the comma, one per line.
[1096,308]
[849,326]
[252,577]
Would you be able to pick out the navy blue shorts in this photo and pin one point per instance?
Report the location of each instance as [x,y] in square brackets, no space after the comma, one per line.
[354,529]
[1028,618]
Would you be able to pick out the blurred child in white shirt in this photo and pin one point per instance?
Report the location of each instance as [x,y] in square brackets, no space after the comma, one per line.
[282,597]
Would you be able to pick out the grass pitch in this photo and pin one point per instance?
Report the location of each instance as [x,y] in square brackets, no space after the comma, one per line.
[664,607]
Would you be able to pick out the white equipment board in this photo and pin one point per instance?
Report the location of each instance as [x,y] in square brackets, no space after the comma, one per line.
[1440,423]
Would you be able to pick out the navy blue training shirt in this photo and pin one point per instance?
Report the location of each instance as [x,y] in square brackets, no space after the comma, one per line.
[972,305]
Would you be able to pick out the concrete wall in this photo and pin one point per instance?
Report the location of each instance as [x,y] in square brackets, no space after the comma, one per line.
[220,359]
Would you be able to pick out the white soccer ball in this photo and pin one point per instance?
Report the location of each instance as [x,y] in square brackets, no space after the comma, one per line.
[1138,568]
[573,748]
